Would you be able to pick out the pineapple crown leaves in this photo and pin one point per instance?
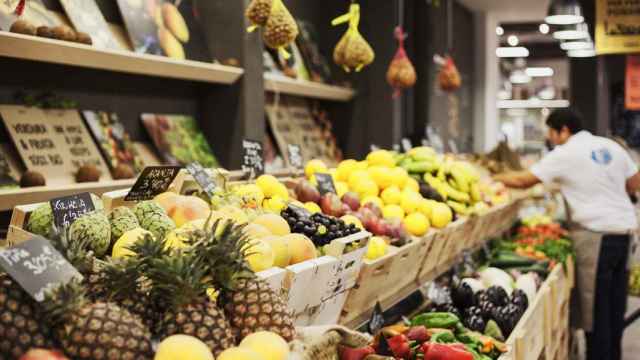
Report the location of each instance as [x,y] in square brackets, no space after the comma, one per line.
[63,301]
[77,252]
[122,278]
[223,247]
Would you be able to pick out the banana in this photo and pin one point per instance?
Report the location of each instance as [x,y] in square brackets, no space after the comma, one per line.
[475,192]
[436,184]
[461,178]
[459,208]
[455,194]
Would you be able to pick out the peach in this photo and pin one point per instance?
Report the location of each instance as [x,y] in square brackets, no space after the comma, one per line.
[300,248]
[167,200]
[274,223]
[256,231]
[281,250]
[189,208]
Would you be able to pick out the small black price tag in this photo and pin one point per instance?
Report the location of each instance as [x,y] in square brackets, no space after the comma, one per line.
[406,144]
[252,161]
[325,183]
[68,209]
[152,181]
[37,266]
[202,178]
[377,319]
[295,156]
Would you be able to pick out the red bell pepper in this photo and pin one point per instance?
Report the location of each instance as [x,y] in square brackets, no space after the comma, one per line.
[399,346]
[347,353]
[436,351]
[418,333]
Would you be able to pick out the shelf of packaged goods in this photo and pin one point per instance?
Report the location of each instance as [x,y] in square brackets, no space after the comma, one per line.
[532,104]
[26,47]
[284,85]
[13,197]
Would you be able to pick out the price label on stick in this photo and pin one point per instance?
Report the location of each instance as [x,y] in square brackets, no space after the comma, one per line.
[325,183]
[152,181]
[252,161]
[377,319]
[406,145]
[37,266]
[203,179]
[295,156]
[68,209]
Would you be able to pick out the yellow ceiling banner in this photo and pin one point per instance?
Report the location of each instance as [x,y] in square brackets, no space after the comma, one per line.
[617,26]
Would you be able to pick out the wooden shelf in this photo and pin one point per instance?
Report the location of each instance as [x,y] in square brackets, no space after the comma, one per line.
[284,85]
[532,104]
[14,197]
[34,48]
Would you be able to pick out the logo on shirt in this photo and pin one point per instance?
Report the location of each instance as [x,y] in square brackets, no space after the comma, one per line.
[601,156]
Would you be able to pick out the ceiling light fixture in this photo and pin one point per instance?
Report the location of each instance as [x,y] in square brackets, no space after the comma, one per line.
[512,52]
[499,31]
[539,71]
[564,12]
[519,77]
[581,53]
[576,45]
[513,40]
[544,28]
[573,32]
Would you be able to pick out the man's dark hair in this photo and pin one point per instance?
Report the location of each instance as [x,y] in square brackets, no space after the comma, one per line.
[565,117]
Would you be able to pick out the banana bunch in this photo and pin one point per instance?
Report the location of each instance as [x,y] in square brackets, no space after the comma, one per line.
[458,183]
[419,160]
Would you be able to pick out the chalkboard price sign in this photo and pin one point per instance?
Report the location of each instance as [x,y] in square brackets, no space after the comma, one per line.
[295,156]
[325,183]
[68,209]
[202,178]
[37,266]
[377,319]
[252,161]
[152,181]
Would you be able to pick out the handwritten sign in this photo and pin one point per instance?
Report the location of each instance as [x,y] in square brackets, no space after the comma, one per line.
[295,156]
[37,266]
[252,159]
[377,319]
[202,178]
[325,184]
[52,142]
[152,181]
[68,209]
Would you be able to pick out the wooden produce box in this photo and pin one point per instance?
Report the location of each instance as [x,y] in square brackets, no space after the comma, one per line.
[435,241]
[529,335]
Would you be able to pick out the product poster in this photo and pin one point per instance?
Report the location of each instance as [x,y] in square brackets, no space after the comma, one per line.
[86,16]
[617,26]
[632,83]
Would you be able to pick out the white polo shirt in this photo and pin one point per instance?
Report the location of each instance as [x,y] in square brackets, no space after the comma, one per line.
[592,172]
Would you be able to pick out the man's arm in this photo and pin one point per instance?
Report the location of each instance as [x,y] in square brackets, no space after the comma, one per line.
[518,179]
[633,183]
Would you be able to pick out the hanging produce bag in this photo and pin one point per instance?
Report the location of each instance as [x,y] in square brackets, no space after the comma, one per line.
[449,77]
[280,28]
[353,52]
[401,73]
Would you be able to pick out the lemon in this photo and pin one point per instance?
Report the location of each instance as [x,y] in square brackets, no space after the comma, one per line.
[270,345]
[373,199]
[356,177]
[314,166]
[416,224]
[381,158]
[236,353]
[345,168]
[350,219]
[275,204]
[425,207]
[377,248]
[121,247]
[412,185]
[381,175]
[399,176]
[281,191]
[391,196]
[393,211]
[441,215]
[410,201]
[341,188]
[268,184]
[312,207]
[362,165]
[183,347]
[261,255]
[250,193]
[367,187]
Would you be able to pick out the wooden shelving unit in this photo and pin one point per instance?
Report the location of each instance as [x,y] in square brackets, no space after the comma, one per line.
[25,47]
[11,198]
[284,85]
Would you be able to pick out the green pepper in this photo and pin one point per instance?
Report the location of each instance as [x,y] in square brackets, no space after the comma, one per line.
[436,320]
[443,337]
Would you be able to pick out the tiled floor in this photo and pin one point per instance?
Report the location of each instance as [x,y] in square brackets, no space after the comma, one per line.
[632,334]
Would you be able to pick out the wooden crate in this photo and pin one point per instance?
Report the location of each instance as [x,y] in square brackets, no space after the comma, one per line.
[436,242]
[529,340]
[275,277]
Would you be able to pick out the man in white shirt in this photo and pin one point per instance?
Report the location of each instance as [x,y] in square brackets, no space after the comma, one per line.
[596,176]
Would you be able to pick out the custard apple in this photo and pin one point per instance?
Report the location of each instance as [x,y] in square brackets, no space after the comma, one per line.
[122,220]
[95,228]
[41,221]
[146,209]
[158,224]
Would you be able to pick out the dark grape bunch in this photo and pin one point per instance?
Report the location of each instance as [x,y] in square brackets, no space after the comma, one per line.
[320,228]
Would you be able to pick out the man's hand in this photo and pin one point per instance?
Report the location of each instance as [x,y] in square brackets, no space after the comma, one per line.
[518,179]
[633,184]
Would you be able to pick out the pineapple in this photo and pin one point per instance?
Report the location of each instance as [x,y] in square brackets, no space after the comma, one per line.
[249,303]
[20,325]
[178,282]
[100,330]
